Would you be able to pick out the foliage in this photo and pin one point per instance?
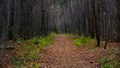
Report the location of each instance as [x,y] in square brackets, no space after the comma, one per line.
[86,41]
[28,51]
[103,60]
[108,62]
[41,41]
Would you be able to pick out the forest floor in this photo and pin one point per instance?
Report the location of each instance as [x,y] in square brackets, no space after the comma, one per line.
[63,53]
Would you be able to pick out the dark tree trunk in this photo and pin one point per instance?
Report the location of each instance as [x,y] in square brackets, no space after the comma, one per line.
[97,32]
[28,18]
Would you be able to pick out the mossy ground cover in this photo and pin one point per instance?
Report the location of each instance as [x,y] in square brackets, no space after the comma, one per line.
[27,51]
[111,60]
[86,41]
[82,41]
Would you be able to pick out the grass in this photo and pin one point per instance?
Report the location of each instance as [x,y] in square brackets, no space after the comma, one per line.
[42,41]
[85,41]
[27,52]
[109,62]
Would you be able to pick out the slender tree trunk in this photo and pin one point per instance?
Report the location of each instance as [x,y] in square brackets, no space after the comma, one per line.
[96,23]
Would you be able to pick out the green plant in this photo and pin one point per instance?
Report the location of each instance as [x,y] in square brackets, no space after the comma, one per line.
[37,65]
[28,51]
[83,41]
[107,66]
[103,60]
[108,62]
[19,66]
[42,41]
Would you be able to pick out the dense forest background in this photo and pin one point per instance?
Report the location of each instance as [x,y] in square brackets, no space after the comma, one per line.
[28,18]
[59,33]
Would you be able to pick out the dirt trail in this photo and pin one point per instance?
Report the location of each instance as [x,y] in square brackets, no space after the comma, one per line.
[64,54]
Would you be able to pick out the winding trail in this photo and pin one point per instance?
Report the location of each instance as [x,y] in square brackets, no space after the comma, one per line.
[64,54]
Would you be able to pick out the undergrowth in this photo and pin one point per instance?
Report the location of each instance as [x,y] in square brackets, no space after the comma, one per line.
[109,62]
[85,41]
[27,51]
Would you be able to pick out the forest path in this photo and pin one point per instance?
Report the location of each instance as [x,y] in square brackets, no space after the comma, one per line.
[64,54]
